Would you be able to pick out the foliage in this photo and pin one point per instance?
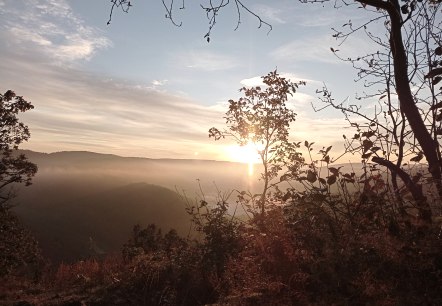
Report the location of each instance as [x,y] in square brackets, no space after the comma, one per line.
[166,270]
[14,168]
[87,273]
[149,240]
[221,234]
[401,78]
[19,251]
[338,237]
[263,119]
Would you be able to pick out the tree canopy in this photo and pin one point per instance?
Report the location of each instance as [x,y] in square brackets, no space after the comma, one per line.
[14,167]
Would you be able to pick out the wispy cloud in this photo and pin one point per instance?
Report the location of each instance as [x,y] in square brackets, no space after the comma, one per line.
[318,49]
[53,27]
[75,110]
[159,82]
[270,14]
[311,49]
[205,60]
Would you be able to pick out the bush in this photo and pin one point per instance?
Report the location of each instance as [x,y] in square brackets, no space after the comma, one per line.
[19,251]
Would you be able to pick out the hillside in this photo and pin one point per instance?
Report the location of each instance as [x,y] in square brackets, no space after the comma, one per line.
[79,197]
[66,229]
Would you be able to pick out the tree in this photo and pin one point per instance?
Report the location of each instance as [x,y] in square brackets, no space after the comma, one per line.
[407,123]
[263,119]
[413,46]
[18,249]
[14,167]
[211,9]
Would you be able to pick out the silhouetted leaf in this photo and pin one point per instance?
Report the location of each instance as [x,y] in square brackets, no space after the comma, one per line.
[286,196]
[436,106]
[367,144]
[433,73]
[366,155]
[368,134]
[417,158]
[404,9]
[326,159]
[311,176]
[331,179]
[333,170]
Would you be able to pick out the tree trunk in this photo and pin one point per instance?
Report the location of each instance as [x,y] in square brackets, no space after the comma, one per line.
[407,103]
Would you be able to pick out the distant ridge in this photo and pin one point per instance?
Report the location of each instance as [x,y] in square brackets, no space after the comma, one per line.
[80,196]
[90,154]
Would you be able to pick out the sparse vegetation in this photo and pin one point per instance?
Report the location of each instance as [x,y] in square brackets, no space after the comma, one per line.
[332,237]
[319,233]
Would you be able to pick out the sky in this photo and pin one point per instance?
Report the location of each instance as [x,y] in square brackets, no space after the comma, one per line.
[143,87]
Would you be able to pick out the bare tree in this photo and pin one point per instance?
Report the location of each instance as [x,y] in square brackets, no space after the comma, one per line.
[212,9]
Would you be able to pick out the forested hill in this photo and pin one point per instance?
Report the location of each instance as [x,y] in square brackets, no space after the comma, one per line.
[79,196]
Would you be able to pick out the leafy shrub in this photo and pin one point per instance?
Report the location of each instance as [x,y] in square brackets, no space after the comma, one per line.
[19,251]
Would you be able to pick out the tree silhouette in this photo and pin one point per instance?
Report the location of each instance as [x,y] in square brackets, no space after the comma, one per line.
[211,9]
[262,118]
[402,75]
[14,167]
[413,46]
[18,249]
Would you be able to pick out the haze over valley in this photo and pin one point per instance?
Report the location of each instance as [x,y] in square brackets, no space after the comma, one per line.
[82,203]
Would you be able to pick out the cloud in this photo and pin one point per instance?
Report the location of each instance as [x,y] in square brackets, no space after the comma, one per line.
[253,81]
[269,14]
[323,132]
[205,60]
[315,49]
[53,27]
[77,110]
[159,83]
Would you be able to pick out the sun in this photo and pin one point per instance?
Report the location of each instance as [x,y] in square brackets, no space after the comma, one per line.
[247,154]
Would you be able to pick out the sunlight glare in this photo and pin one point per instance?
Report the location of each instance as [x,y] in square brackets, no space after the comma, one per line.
[247,154]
